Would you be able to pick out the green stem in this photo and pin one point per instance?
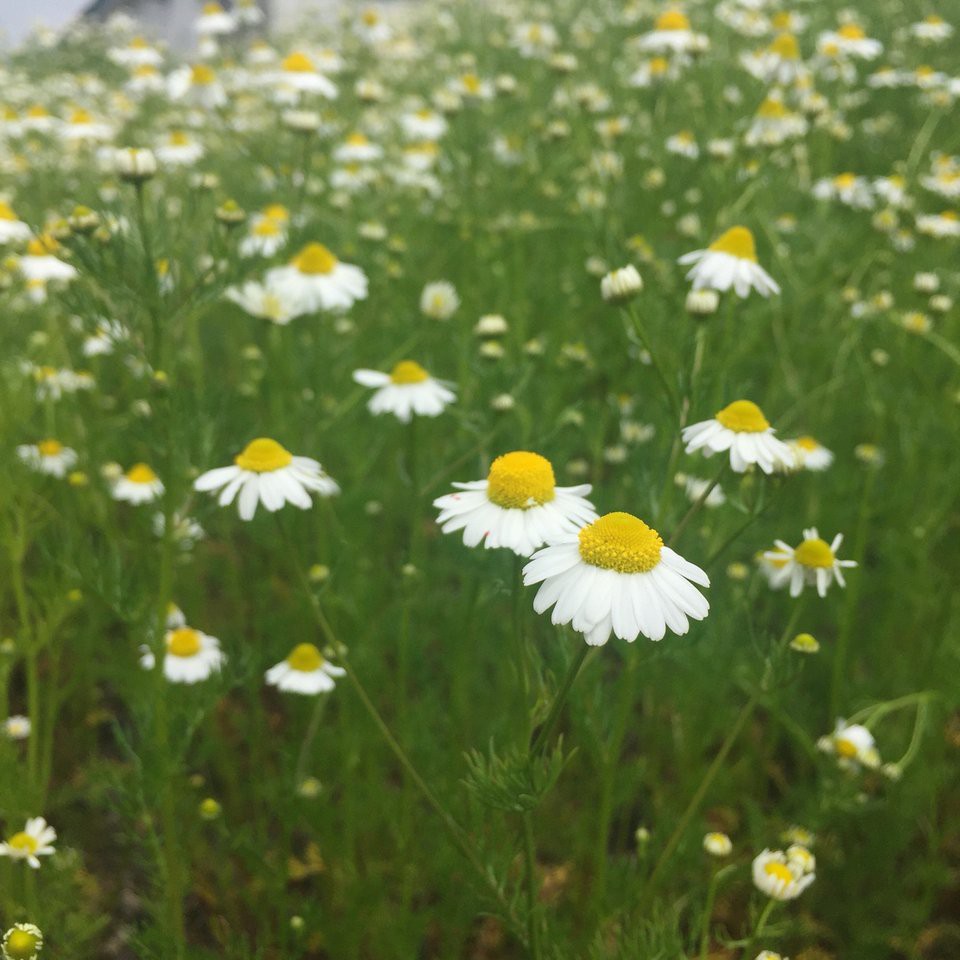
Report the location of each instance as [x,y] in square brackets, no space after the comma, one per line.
[696,507]
[530,854]
[762,921]
[671,396]
[708,913]
[556,707]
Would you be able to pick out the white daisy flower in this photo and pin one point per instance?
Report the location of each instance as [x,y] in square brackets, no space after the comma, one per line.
[932,28]
[316,280]
[23,941]
[779,63]
[304,671]
[946,224]
[17,727]
[730,261]
[137,53]
[849,40]
[616,576]
[671,33]
[138,485]
[439,300]
[214,21]
[406,391]
[357,149]
[199,84]
[265,237]
[683,144]
[267,473]
[299,74]
[853,745]
[35,840]
[259,301]
[779,879]
[769,955]
[518,506]
[718,845]
[741,428]
[801,859]
[39,263]
[810,454]
[813,563]
[179,150]
[424,124]
[191,656]
[81,126]
[12,228]
[48,456]
[848,188]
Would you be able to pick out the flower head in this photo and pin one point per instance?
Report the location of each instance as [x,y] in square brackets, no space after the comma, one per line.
[814,563]
[304,670]
[23,941]
[406,391]
[741,428]
[730,261]
[779,877]
[191,656]
[35,840]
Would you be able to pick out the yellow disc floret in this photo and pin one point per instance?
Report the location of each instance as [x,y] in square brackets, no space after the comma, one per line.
[738,242]
[298,63]
[141,473]
[779,871]
[315,260]
[201,75]
[49,448]
[743,416]
[263,455]
[407,372]
[305,657]
[621,542]
[814,553]
[22,942]
[672,20]
[183,642]
[24,842]
[850,31]
[785,46]
[520,480]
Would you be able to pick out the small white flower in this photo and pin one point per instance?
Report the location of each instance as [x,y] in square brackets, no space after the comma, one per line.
[775,876]
[621,285]
[316,280]
[718,844]
[518,507]
[813,563]
[304,671]
[34,841]
[267,473]
[138,485]
[406,391]
[730,261]
[17,727]
[439,300]
[810,454]
[191,656]
[12,229]
[742,429]
[48,456]
[853,745]
[259,301]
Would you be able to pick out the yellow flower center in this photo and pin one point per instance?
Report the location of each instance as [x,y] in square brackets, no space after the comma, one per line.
[305,657]
[49,448]
[21,945]
[807,443]
[298,63]
[183,642]
[424,113]
[81,117]
[949,215]
[814,553]
[934,20]
[263,455]
[141,473]
[520,480]
[785,46]
[738,242]
[370,17]
[139,43]
[276,211]
[179,139]
[743,416]
[42,246]
[24,842]
[471,82]
[357,140]
[6,213]
[779,871]
[772,109]
[844,181]
[659,66]
[266,228]
[37,112]
[315,259]
[211,8]
[145,70]
[201,75]
[850,31]
[408,371]
[621,542]
[672,20]
[845,748]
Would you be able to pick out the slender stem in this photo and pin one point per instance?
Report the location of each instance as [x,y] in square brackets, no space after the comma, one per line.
[530,854]
[309,735]
[696,506]
[745,713]
[668,391]
[708,914]
[762,921]
[556,707]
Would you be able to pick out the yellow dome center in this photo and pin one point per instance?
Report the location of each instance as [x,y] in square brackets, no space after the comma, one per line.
[201,75]
[276,211]
[844,181]
[743,416]
[772,109]
[24,842]
[807,443]
[845,748]
[370,17]
[315,259]
[779,871]
[408,371]
[6,213]
[621,542]
[141,473]
[37,112]
[738,242]
[21,944]
[672,20]
[183,642]
[266,228]
[814,553]
[298,63]
[659,66]
[49,448]
[850,31]
[211,8]
[81,117]
[263,455]
[520,480]
[305,657]
[357,140]
[785,46]
[471,82]
[178,138]
[139,43]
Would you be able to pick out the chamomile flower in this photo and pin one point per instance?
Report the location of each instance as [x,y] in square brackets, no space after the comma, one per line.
[214,21]
[423,125]
[299,74]
[304,671]
[35,840]
[17,727]
[138,485]
[519,506]
[179,149]
[932,29]
[137,53]
[851,190]
[849,40]
[718,845]
[190,656]
[267,473]
[23,941]
[265,237]
[198,83]
[810,454]
[439,300]
[406,391]
[778,877]
[259,301]
[939,225]
[672,34]
[12,228]
[48,456]
[778,63]
[730,261]
[39,262]
[316,280]
[741,428]
[813,563]
[616,576]
[853,745]
[357,148]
